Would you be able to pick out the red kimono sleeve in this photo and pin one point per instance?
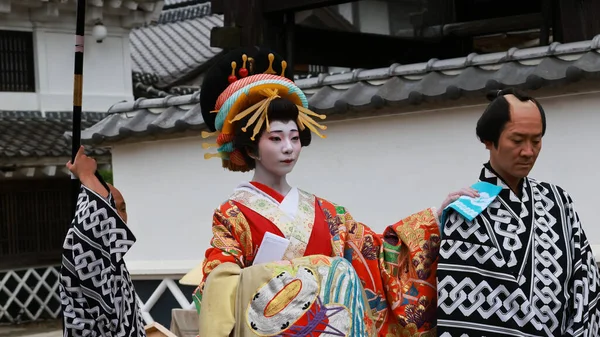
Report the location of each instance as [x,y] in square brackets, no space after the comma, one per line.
[397,268]
[231,242]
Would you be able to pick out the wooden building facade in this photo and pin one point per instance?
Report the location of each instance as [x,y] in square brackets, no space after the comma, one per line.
[439,29]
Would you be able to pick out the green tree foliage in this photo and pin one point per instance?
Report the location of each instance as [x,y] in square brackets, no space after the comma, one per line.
[107,175]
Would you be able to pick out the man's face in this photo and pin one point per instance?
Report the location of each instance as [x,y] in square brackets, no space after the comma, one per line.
[520,141]
[119,202]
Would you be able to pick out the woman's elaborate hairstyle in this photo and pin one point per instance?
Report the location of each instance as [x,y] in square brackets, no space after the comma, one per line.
[239,103]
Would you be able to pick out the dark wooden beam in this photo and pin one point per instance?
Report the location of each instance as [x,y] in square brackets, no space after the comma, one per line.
[244,26]
[248,15]
[576,20]
[217,6]
[360,50]
[271,6]
[274,33]
[547,22]
[494,26]
[475,28]
[225,37]
[290,25]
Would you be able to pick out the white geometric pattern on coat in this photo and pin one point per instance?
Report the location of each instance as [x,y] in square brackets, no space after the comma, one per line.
[97,294]
[550,284]
[469,297]
[510,304]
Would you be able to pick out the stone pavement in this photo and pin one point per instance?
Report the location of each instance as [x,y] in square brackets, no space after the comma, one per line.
[11,331]
[56,333]
[41,329]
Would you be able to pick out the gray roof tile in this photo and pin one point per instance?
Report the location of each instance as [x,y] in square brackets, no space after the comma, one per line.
[185,11]
[173,49]
[27,134]
[360,90]
[176,3]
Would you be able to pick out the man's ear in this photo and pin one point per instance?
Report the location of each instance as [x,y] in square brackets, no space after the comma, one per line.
[488,145]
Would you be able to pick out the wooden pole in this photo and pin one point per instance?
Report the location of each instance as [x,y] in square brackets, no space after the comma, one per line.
[78,78]
[77,93]
[78,97]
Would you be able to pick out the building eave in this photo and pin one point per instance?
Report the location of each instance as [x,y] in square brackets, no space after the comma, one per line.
[49,167]
[133,13]
[30,135]
[399,87]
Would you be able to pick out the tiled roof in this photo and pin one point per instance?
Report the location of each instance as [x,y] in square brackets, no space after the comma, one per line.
[177,3]
[28,134]
[144,86]
[364,90]
[177,46]
[187,11]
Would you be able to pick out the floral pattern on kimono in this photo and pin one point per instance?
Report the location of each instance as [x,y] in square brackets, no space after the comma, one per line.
[396,268]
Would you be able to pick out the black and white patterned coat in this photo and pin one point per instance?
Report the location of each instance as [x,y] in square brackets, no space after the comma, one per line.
[523,267]
[97,295]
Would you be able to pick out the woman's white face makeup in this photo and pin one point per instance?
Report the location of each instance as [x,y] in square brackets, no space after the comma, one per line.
[279,148]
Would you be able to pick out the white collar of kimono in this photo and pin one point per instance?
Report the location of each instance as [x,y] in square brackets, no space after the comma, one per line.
[289,205]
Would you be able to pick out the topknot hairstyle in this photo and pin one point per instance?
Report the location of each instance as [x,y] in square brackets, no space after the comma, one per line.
[493,120]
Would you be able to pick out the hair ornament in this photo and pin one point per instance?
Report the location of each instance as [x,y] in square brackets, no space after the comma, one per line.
[248,94]
[232,78]
[243,70]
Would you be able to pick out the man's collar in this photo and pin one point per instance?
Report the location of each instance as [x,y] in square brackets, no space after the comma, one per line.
[488,174]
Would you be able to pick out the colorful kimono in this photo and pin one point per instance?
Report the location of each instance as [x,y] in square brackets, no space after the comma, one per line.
[523,267]
[97,295]
[390,278]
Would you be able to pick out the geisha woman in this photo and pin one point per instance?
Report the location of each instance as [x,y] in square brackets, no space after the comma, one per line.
[336,277]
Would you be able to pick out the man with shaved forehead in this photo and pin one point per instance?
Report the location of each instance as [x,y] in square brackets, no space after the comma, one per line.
[522,265]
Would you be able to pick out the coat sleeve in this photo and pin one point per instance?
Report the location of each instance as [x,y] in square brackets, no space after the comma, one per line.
[584,286]
[231,242]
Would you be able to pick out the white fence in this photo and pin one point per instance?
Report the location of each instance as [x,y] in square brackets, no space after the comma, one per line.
[29,294]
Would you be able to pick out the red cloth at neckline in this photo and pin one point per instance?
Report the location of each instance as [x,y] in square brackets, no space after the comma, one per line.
[320,237]
[274,194]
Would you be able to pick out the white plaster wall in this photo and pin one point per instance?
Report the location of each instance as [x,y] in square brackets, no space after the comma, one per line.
[106,73]
[382,169]
[171,192]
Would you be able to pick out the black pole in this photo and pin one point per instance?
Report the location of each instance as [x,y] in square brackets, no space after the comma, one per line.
[78,98]
[77,93]
[77,102]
